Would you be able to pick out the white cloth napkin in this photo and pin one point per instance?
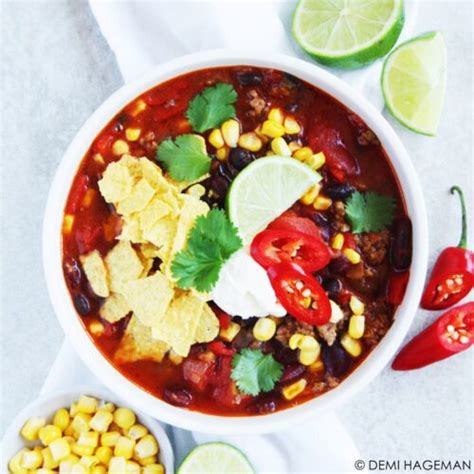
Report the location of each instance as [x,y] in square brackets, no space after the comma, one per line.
[143,34]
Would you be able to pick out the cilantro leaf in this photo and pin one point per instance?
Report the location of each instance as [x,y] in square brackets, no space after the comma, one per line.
[212,240]
[211,107]
[185,158]
[255,372]
[370,212]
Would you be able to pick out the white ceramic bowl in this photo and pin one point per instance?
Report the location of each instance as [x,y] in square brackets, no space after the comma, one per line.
[47,405]
[135,395]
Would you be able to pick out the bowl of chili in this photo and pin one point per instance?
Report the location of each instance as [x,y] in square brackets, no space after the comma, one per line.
[353,127]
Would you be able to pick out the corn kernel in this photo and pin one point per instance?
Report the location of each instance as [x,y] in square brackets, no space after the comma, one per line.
[110,439]
[99,159]
[222,153]
[49,433]
[228,334]
[280,147]
[89,461]
[124,447]
[352,346]
[87,404]
[337,241]
[197,190]
[101,420]
[308,343]
[31,459]
[73,409]
[60,449]
[48,461]
[98,470]
[132,468]
[96,328]
[176,359]
[104,454]
[146,447]
[32,427]
[216,139]
[125,418]
[352,256]
[120,147]
[276,115]
[294,146]
[15,462]
[316,161]
[356,326]
[310,195]
[272,129]
[107,406]
[316,367]
[264,329]
[80,423]
[356,305]
[154,469]
[68,222]
[146,461]
[250,141]
[88,197]
[61,419]
[292,127]
[117,464]
[293,390]
[137,431]
[79,468]
[303,154]
[258,131]
[81,450]
[90,439]
[132,134]
[138,107]
[71,440]
[322,203]
[309,357]
[295,341]
[69,431]
[336,312]
[45,470]
[230,132]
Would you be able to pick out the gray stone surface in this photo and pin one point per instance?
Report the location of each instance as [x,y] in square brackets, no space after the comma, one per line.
[57,68]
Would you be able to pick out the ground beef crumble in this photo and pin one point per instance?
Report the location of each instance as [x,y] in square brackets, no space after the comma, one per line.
[257,102]
[328,332]
[374,246]
[377,321]
[291,326]
[338,211]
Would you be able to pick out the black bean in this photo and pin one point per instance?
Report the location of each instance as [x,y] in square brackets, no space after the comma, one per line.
[82,304]
[73,272]
[292,81]
[401,245]
[336,360]
[264,404]
[339,192]
[292,107]
[340,265]
[240,158]
[291,373]
[249,78]
[333,286]
[283,354]
[219,185]
[178,396]
[323,224]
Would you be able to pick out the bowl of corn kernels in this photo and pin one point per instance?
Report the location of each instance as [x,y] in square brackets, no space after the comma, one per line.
[84,431]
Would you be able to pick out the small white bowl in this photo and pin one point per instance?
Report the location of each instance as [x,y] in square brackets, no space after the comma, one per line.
[131,392]
[47,405]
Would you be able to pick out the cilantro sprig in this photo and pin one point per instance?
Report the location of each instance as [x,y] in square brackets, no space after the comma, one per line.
[184,158]
[211,107]
[369,212]
[255,372]
[211,242]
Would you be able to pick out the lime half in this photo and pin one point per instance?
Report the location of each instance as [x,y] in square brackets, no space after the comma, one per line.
[264,190]
[347,33]
[215,458]
[414,82]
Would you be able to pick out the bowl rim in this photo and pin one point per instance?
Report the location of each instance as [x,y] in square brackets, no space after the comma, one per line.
[12,441]
[132,393]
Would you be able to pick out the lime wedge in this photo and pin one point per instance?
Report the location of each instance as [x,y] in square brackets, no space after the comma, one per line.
[215,458]
[414,82]
[347,33]
[264,190]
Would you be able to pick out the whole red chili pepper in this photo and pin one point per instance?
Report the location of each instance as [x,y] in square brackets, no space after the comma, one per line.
[452,277]
[451,333]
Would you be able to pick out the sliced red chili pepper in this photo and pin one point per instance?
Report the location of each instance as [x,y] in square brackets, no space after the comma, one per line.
[274,246]
[291,221]
[451,333]
[397,285]
[452,277]
[222,316]
[219,348]
[300,294]
[349,241]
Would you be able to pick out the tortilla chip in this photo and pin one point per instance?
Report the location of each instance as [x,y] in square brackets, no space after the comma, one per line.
[208,326]
[149,250]
[115,308]
[96,273]
[178,326]
[162,235]
[131,230]
[170,198]
[116,184]
[138,198]
[153,212]
[149,297]
[137,344]
[153,174]
[133,166]
[123,264]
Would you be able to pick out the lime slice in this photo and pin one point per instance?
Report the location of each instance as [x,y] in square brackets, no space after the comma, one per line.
[347,33]
[264,190]
[414,82]
[215,458]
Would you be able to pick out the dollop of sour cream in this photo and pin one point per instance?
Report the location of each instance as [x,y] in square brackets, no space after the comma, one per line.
[244,289]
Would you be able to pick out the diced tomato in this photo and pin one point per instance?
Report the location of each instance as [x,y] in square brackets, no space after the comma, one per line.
[349,241]
[222,316]
[282,245]
[103,143]
[300,294]
[87,237]
[289,220]
[196,372]
[325,138]
[162,95]
[220,375]
[219,348]
[77,193]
